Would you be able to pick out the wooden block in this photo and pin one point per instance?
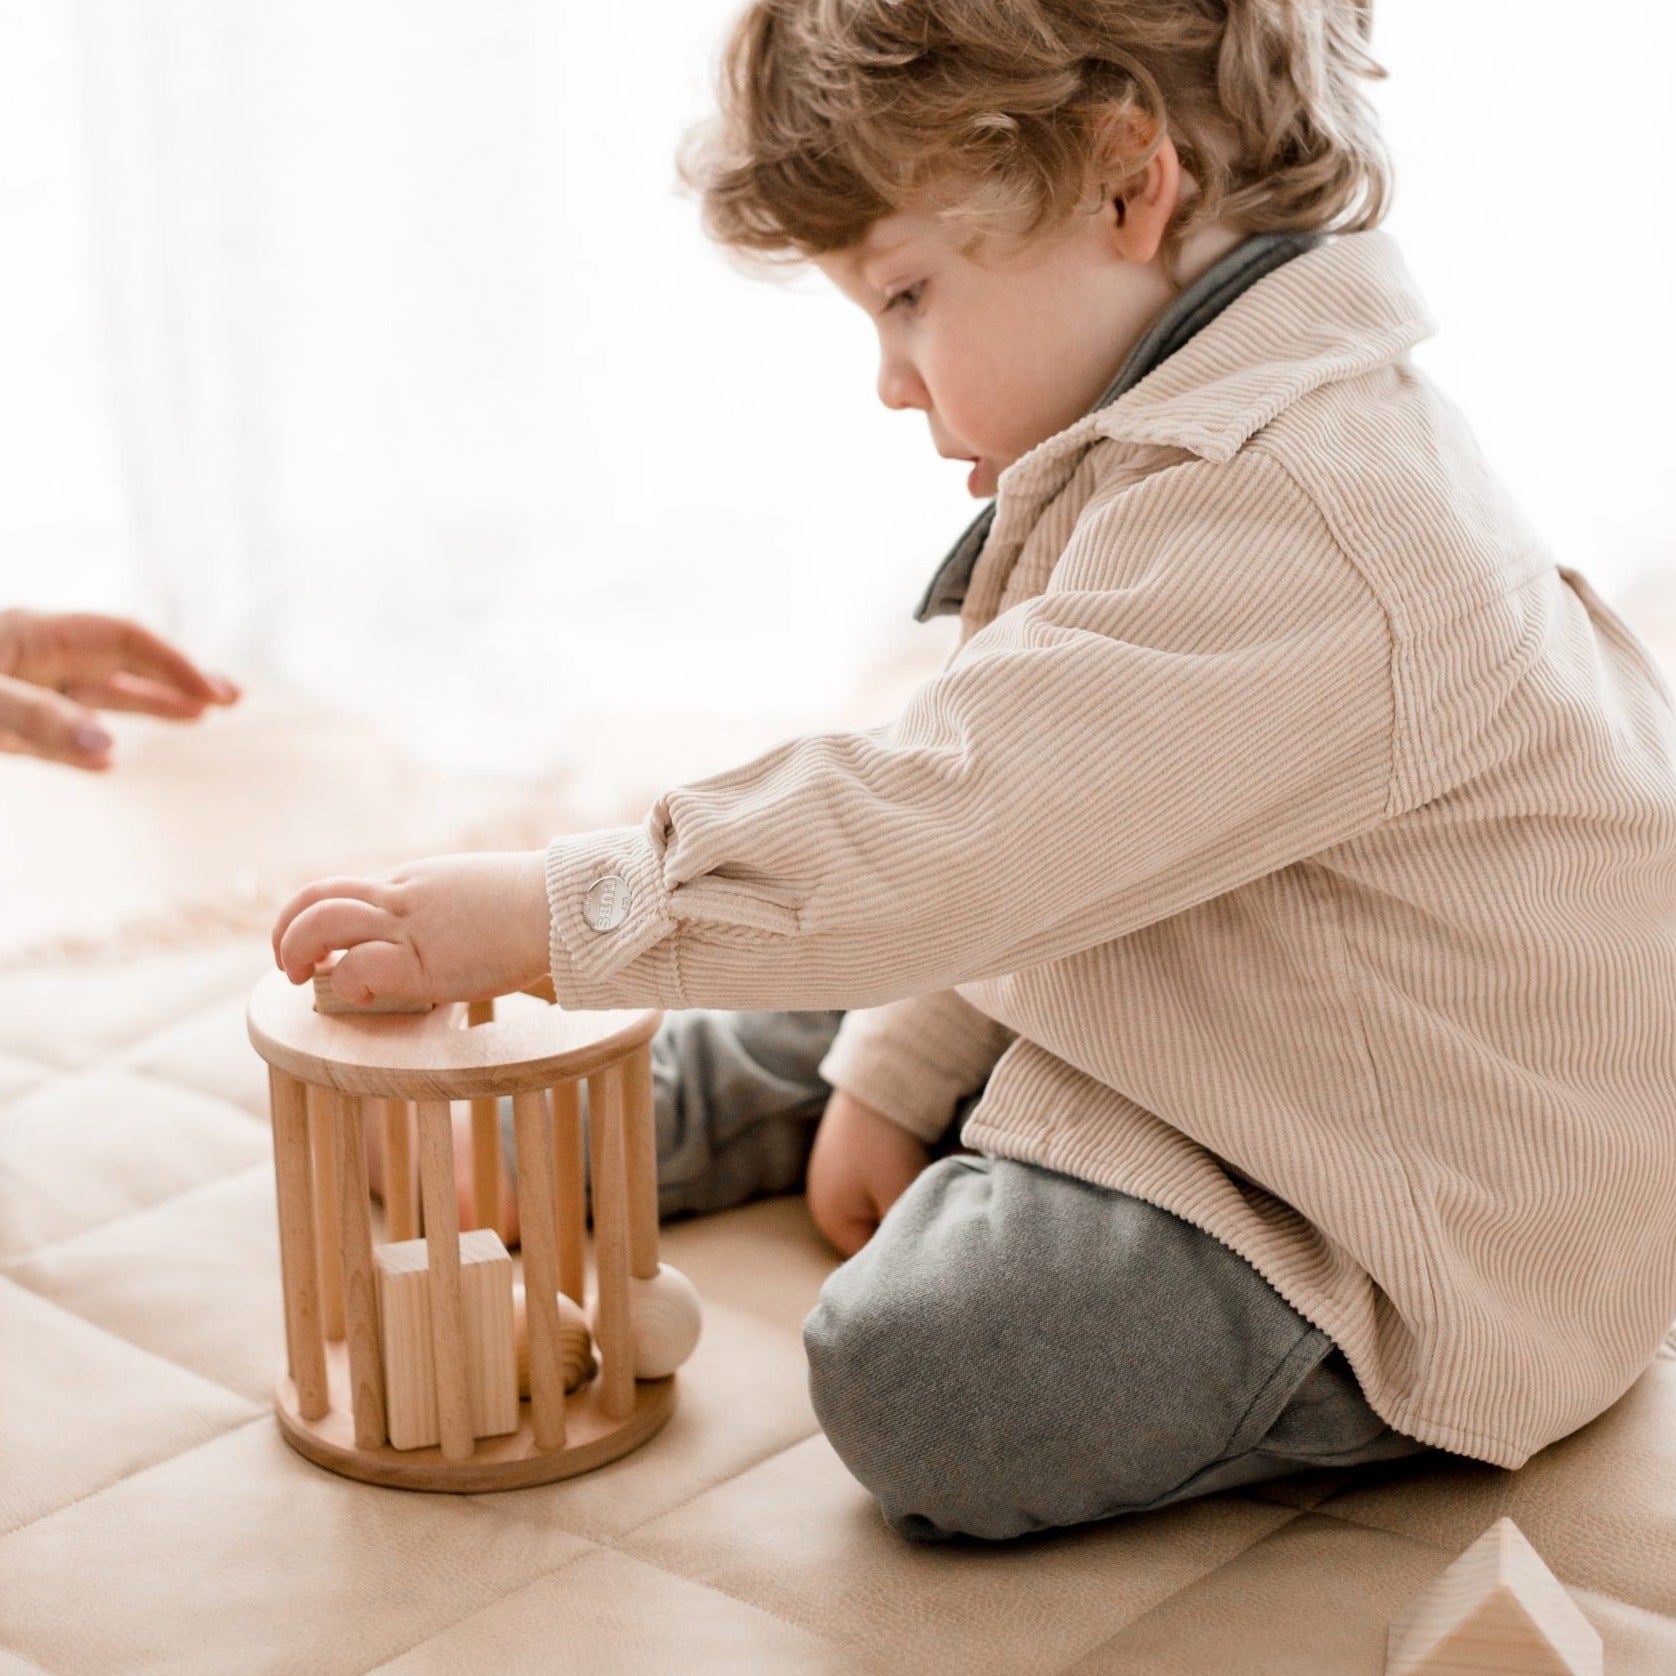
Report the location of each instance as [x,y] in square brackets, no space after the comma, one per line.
[327,1000]
[409,1361]
[1496,1611]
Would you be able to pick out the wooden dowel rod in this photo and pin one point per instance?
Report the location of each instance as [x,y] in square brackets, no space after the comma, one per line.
[541,1268]
[485,1164]
[641,1142]
[442,1260]
[299,1269]
[485,1140]
[401,1205]
[570,1175]
[360,1285]
[329,1245]
[611,1307]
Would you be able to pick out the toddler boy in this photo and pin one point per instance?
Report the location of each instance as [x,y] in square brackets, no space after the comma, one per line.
[1279,881]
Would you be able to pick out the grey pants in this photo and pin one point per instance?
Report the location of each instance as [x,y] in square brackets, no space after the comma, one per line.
[1014,1350]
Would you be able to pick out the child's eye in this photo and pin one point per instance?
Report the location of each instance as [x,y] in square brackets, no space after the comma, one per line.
[907,297]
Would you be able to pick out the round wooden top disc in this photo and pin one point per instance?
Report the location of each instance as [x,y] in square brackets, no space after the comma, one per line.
[438,1055]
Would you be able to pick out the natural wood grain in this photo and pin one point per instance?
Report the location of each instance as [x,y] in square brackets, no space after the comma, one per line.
[529,1048]
[611,1241]
[1497,1610]
[502,1463]
[641,1143]
[442,1238]
[433,1056]
[404,1336]
[401,1201]
[541,1267]
[491,1348]
[571,1189]
[576,1343]
[360,1293]
[408,1338]
[298,1253]
[485,1138]
[329,1246]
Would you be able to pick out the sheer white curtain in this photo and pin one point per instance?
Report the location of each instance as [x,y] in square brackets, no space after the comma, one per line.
[367,348]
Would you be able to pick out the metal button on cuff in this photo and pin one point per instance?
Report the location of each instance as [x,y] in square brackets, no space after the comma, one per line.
[606,905]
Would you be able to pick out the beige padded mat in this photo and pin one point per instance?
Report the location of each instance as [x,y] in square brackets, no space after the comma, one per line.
[151,1518]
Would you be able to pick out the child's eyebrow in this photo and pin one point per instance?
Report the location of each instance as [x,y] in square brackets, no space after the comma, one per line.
[871,259]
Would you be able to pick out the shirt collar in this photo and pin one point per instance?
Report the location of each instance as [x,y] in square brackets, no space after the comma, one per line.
[1219,364]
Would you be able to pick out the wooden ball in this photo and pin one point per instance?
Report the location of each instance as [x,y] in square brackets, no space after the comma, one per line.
[664,1317]
[576,1345]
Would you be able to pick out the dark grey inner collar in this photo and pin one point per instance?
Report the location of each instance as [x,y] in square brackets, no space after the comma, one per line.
[1195,308]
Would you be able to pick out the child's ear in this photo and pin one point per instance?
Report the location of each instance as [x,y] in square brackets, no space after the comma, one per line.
[1137,210]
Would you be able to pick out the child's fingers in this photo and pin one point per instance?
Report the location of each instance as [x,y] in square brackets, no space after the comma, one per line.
[365,890]
[374,971]
[850,1230]
[336,923]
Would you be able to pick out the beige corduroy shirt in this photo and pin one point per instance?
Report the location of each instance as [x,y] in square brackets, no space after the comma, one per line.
[1289,842]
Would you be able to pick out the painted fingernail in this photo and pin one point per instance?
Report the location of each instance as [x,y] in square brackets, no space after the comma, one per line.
[91,739]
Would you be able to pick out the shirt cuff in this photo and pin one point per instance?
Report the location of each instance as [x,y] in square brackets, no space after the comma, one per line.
[611,937]
[913,1092]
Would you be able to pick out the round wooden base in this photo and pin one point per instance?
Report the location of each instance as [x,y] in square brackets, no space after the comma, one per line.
[511,1462]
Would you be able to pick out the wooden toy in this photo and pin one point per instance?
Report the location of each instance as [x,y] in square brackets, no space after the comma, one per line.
[664,1316]
[576,1344]
[408,1335]
[1496,1611]
[327,1074]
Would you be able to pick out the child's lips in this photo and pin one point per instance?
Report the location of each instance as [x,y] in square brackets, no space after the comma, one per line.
[974,478]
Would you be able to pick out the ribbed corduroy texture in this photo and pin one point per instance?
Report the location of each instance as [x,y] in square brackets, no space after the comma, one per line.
[1302,842]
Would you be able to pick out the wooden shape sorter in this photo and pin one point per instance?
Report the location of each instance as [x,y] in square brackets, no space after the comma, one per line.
[1495,1611]
[365,1331]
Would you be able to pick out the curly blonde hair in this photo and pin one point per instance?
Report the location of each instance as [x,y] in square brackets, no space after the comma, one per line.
[835,113]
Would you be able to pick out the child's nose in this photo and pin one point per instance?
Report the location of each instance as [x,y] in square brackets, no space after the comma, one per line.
[900,387]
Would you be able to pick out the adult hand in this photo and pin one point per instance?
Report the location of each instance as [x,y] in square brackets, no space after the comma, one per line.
[453,928]
[56,670]
[861,1165]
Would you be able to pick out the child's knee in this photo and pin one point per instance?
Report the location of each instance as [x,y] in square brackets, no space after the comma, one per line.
[859,1398]
[880,1389]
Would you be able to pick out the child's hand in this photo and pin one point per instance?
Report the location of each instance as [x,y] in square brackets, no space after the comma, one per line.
[55,670]
[861,1165]
[453,928]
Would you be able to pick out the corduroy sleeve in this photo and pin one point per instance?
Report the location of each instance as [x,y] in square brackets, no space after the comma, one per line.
[914,1060]
[1202,694]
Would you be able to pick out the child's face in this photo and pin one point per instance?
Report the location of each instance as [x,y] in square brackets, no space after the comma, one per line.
[999,352]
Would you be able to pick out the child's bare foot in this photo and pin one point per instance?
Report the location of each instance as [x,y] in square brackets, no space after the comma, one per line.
[506,1226]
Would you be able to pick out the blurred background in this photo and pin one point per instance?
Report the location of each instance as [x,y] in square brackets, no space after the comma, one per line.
[369,350]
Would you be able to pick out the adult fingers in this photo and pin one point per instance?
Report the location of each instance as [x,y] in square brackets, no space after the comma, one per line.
[46,725]
[338,922]
[135,693]
[90,646]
